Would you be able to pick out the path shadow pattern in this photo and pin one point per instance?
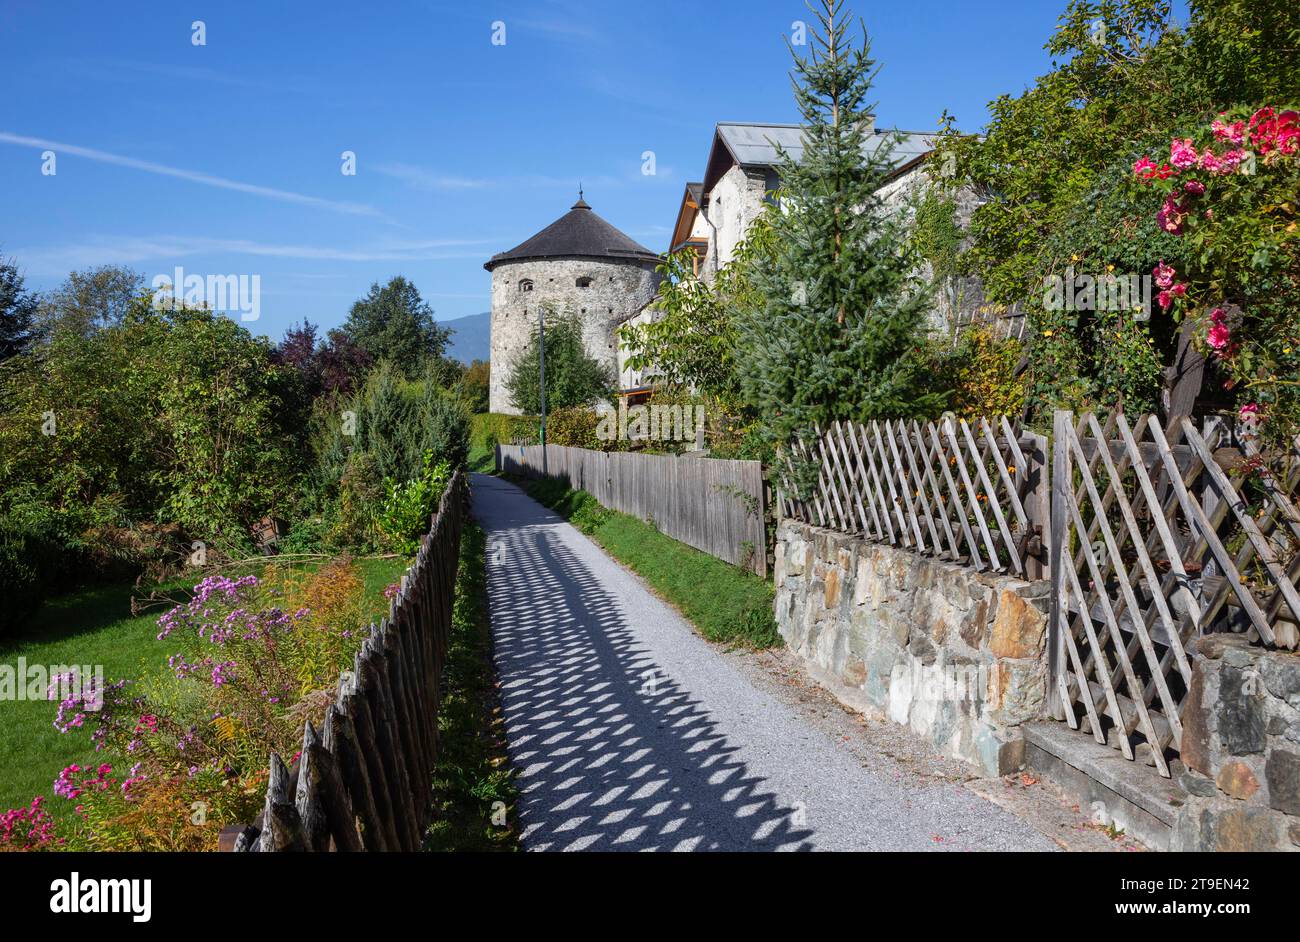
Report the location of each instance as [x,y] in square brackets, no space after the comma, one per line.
[611,753]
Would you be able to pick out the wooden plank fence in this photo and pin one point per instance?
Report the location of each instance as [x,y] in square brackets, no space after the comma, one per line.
[363,782]
[712,504]
[1151,537]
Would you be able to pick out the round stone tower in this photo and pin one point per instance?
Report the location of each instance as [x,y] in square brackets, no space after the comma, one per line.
[579,264]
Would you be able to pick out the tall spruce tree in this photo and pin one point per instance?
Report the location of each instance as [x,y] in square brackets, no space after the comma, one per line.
[842,307]
[17,310]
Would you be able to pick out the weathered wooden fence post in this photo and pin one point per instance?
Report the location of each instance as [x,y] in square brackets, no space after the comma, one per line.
[1059,619]
[1038,508]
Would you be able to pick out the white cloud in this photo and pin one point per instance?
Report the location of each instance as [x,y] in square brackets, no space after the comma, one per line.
[428,180]
[420,178]
[128,70]
[132,250]
[193,176]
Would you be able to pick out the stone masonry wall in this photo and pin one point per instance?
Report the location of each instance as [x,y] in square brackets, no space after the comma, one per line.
[735,201]
[618,289]
[954,654]
[1241,745]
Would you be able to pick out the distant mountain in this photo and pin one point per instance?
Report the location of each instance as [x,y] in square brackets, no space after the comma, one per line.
[471,337]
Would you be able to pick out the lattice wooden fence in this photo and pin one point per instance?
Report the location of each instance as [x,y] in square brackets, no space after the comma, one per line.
[364,782]
[971,492]
[1154,537]
[1152,546]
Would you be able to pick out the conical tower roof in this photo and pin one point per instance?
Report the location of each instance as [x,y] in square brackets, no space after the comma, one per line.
[579,233]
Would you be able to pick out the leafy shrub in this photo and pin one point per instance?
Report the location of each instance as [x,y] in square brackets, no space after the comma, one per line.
[575,427]
[496,428]
[410,505]
[474,387]
[307,534]
[1229,193]
[978,373]
[174,813]
[29,561]
[120,443]
[361,492]
[573,377]
[381,435]
[740,439]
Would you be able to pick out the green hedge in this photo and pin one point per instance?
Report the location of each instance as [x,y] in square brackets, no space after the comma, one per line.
[488,429]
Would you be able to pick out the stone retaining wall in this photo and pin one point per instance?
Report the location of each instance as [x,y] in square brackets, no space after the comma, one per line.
[1241,745]
[954,654]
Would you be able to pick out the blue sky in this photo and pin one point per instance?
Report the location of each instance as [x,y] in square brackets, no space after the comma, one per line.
[225,158]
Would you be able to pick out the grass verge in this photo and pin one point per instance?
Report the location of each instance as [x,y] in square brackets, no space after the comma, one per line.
[474,791]
[482,460]
[725,603]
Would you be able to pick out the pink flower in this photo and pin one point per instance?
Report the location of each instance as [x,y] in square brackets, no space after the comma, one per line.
[1164,274]
[26,828]
[1145,167]
[1288,132]
[1194,187]
[1218,336]
[1250,410]
[1233,133]
[1278,133]
[1178,290]
[1182,154]
[1171,216]
[1218,316]
[1211,164]
[1164,298]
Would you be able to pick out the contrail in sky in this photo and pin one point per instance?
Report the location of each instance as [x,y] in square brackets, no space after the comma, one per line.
[194,176]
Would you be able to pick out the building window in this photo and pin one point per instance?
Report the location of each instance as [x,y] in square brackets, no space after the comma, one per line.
[585,282]
[526,284]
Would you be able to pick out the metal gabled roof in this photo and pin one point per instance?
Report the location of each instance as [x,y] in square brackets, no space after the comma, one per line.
[755,145]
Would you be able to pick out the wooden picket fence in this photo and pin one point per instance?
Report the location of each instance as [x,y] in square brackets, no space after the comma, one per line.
[363,782]
[970,492]
[1152,537]
[713,504]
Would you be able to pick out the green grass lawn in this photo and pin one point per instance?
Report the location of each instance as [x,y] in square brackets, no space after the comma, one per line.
[725,603]
[95,627]
[481,459]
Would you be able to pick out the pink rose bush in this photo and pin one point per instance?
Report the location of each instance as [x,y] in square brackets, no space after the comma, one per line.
[1231,190]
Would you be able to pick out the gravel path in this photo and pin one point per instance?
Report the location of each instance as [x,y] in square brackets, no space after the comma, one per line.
[630,732]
